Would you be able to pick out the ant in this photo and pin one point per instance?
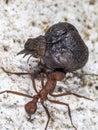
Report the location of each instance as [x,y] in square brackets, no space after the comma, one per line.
[42,95]
[61,50]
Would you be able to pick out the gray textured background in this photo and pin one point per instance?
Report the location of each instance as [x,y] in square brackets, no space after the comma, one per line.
[21,19]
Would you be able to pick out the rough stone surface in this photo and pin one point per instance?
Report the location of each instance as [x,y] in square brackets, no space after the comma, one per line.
[23,19]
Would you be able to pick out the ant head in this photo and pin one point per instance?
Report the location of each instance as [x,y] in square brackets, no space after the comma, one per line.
[36,47]
[30,108]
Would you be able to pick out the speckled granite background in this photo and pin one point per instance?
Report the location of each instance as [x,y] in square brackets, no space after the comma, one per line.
[22,19]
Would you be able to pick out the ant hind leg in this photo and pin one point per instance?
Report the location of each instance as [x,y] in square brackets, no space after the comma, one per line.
[47,112]
[69,93]
[69,111]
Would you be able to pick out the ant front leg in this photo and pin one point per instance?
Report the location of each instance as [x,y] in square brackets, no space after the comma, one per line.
[16,73]
[34,84]
[16,93]
[23,73]
[42,75]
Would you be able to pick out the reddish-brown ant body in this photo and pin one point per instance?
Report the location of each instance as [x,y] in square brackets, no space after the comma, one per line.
[61,50]
[46,90]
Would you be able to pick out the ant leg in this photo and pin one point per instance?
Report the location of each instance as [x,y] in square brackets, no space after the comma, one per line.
[42,82]
[69,111]
[16,73]
[17,93]
[48,114]
[42,79]
[69,93]
[22,73]
[34,85]
[84,74]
